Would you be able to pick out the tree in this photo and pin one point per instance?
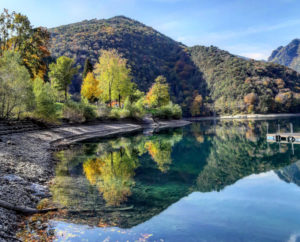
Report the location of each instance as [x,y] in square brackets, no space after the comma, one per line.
[90,87]
[88,67]
[113,75]
[196,105]
[158,94]
[17,34]
[44,100]
[16,94]
[61,74]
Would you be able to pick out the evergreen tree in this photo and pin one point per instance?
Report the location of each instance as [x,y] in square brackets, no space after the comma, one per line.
[88,67]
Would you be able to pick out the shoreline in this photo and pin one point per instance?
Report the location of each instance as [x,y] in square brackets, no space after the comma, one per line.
[246,117]
[27,164]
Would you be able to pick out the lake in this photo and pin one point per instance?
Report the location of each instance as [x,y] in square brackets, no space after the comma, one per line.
[209,181]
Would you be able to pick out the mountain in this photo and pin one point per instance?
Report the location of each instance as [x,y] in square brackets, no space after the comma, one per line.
[228,84]
[288,55]
[149,52]
[237,85]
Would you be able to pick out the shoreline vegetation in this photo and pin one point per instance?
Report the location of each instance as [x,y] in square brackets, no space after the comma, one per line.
[246,116]
[27,164]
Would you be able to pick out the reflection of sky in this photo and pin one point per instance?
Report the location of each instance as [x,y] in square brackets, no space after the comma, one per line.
[257,208]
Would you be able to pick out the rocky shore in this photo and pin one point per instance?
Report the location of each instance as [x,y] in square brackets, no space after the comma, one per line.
[26,164]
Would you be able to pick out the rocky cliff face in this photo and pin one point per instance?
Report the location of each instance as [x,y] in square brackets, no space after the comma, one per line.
[288,55]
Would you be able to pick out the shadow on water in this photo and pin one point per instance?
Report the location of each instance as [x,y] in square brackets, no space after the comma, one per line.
[152,172]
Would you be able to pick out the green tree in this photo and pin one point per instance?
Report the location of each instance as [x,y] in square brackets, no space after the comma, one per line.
[88,67]
[158,94]
[16,94]
[114,76]
[44,100]
[61,74]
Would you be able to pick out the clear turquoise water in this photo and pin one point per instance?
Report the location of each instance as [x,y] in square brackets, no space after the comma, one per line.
[204,182]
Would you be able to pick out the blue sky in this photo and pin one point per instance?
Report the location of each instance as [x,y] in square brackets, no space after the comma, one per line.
[251,28]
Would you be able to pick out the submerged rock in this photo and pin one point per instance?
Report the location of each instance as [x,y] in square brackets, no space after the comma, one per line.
[38,190]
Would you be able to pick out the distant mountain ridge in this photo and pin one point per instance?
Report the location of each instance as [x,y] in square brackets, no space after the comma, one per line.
[288,55]
[228,84]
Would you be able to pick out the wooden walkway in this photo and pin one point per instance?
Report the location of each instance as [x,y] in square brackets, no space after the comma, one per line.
[284,138]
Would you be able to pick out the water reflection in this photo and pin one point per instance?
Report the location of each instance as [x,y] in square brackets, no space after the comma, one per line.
[151,173]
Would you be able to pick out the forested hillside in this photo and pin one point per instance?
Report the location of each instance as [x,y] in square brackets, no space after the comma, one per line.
[237,85]
[149,52]
[202,80]
[288,55]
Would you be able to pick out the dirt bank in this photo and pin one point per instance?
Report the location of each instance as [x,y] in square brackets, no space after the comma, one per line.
[26,163]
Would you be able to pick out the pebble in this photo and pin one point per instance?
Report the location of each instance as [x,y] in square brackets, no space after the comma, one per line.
[9,142]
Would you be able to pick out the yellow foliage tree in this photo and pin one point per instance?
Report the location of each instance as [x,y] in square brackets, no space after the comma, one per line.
[114,76]
[90,87]
[158,94]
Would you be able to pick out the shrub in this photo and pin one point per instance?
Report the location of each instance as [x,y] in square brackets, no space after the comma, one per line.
[136,109]
[124,113]
[170,111]
[115,113]
[78,112]
[102,110]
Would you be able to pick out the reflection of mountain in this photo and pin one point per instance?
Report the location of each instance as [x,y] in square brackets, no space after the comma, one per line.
[236,154]
[290,173]
[152,172]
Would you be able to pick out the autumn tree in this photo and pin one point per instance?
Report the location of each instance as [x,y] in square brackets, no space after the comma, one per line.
[113,75]
[158,94]
[250,99]
[196,105]
[17,34]
[90,87]
[61,74]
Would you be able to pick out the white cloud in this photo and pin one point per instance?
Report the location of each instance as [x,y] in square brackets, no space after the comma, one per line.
[256,55]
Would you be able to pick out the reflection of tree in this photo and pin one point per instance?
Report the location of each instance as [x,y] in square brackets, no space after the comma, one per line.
[160,153]
[160,149]
[112,173]
[197,132]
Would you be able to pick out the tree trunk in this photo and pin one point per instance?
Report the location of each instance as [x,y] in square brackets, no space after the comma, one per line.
[66,93]
[109,96]
[24,210]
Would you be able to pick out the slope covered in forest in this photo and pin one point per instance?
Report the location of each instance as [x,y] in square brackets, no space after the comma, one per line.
[237,85]
[227,84]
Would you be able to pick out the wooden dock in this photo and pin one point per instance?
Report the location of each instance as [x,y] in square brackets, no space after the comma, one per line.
[284,138]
